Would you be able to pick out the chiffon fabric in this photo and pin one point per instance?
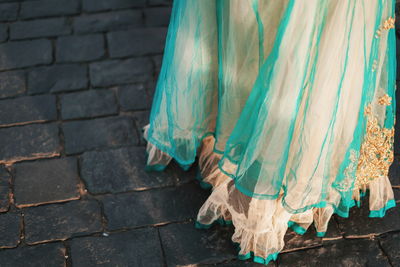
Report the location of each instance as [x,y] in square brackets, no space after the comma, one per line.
[289,107]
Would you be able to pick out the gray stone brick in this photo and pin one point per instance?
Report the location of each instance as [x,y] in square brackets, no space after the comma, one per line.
[29,142]
[3,32]
[394,172]
[133,97]
[358,223]
[46,181]
[120,170]
[141,119]
[61,221]
[80,48]
[136,42]
[184,245]
[156,206]
[108,21]
[12,83]
[98,133]
[391,246]
[396,192]
[160,2]
[133,248]
[8,11]
[397,126]
[5,179]
[102,5]
[28,109]
[115,72]
[25,54]
[10,230]
[157,16]
[45,8]
[39,28]
[57,78]
[343,253]
[52,254]
[158,63]
[87,104]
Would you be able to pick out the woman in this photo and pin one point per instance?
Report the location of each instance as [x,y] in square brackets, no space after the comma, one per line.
[289,107]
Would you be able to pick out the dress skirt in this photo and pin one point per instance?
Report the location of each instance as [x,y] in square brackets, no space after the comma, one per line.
[288,106]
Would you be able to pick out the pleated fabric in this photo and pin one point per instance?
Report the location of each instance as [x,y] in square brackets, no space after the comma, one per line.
[289,107]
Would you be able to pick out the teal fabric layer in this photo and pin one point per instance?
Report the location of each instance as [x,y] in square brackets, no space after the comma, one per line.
[283,86]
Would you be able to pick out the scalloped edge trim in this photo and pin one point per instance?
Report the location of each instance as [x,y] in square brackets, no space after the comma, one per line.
[296,228]
[155,167]
[321,234]
[220,221]
[382,212]
[257,259]
[204,185]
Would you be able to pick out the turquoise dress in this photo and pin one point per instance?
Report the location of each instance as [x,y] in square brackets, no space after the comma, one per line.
[288,106]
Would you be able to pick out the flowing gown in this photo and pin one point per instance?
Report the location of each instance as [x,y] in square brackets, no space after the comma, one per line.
[288,106]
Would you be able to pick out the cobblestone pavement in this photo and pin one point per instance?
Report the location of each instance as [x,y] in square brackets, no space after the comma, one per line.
[76,82]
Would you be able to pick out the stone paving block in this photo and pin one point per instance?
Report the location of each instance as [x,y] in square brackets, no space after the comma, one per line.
[29,142]
[394,172]
[358,252]
[25,54]
[39,28]
[396,192]
[3,32]
[157,16]
[87,104]
[294,241]
[108,21]
[57,78]
[98,133]
[114,72]
[390,244]
[102,5]
[153,206]
[160,2]
[133,248]
[46,181]
[397,130]
[185,245]
[142,119]
[10,230]
[61,221]
[5,178]
[358,223]
[8,11]
[239,263]
[333,232]
[80,48]
[28,109]
[45,8]
[120,170]
[52,254]
[133,97]
[12,83]
[136,42]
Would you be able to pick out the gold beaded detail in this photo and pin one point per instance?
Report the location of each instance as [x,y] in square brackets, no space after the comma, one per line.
[376,153]
[387,25]
[385,100]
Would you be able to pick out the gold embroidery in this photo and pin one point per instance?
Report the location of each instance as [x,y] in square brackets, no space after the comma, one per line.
[376,153]
[387,25]
[385,100]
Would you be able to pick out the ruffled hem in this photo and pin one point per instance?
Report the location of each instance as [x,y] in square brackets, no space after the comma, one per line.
[260,224]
